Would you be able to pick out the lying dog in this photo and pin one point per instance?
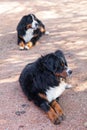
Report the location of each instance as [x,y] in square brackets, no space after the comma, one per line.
[29,30]
[42,81]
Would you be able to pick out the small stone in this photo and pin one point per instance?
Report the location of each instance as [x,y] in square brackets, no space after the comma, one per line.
[18,113]
[22,112]
[23,105]
[21,126]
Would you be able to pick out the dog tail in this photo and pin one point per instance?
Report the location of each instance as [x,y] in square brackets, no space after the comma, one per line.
[47,33]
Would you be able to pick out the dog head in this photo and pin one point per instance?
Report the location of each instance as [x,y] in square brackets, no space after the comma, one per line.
[62,70]
[32,21]
[28,21]
[57,64]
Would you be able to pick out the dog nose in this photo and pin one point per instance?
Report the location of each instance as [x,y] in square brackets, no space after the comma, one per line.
[70,72]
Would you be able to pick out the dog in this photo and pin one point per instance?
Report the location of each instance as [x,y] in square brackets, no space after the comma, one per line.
[29,30]
[43,81]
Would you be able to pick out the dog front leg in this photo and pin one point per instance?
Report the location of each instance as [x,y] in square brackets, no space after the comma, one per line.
[52,115]
[41,101]
[58,109]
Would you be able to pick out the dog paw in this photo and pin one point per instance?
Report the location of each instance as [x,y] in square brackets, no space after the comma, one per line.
[26,47]
[21,45]
[57,121]
[21,48]
[62,117]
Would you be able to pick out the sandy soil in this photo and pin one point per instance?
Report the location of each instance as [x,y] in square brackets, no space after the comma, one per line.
[66,20]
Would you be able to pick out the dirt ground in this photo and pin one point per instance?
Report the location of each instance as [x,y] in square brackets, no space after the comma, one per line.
[66,20]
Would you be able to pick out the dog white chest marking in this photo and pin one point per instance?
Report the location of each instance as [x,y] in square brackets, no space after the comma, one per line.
[55,92]
[29,34]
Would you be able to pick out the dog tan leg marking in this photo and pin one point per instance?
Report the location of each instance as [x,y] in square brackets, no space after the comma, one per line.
[63,74]
[58,109]
[28,45]
[42,29]
[53,116]
[42,96]
[21,45]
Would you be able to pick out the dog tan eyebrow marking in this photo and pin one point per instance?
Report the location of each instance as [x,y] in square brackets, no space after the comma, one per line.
[62,64]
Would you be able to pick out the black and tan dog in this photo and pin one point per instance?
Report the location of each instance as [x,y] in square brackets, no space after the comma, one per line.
[42,81]
[29,30]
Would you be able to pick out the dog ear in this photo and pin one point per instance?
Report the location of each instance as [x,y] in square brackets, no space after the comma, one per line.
[41,64]
[60,54]
[22,24]
[48,62]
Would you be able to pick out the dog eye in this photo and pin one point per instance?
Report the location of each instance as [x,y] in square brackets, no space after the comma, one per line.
[62,64]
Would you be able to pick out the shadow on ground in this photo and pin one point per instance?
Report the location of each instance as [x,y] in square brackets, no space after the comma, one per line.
[67,23]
